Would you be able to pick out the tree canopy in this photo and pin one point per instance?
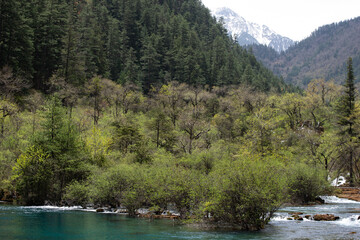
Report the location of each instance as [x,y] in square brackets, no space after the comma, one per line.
[143,42]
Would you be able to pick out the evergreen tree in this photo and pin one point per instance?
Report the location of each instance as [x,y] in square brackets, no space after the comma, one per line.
[150,63]
[160,124]
[94,91]
[131,68]
[91,46]
[71,67]
[115,49]
[59,139]
[16,46]
[49,18]
[347,118]
[141,41]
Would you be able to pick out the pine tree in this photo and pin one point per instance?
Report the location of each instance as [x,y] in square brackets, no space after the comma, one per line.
[92,46]
[49,18]
[16,46]
[114,49]
[71,67]
[150,63]
[347,117]
[94,91]
[59,140]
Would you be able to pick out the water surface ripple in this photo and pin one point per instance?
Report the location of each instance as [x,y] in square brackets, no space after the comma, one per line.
[46,222]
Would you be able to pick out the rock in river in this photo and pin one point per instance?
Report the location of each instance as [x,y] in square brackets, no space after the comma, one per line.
[325,217]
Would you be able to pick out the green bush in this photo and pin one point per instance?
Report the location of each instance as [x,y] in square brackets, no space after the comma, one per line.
[306,183]
[177,185]
[246,193]
[77,194]
[32,176]
[121,185]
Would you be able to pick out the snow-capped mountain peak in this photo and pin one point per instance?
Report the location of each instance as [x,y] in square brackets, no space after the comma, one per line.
[247,33]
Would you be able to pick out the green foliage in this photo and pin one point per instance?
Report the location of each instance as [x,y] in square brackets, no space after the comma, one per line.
[180,186]
[126,137]
[223,155]
[121,185]
[161,127]
[306,183]
[48,26]
[321,54]
[7,109]
[59,139]
[246,192]
[348,116]
[346,107]
[142,42]
[98,145]
[77,193]
[234,152]
[6,164]
[16,45]
[32,175]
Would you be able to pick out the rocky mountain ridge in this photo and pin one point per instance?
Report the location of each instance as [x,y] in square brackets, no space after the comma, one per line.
[248,33]
[322,55]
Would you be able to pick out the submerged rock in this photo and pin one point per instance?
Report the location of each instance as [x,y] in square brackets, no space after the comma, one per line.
[319,200]
[154,216]
[296,216]
[325,217]
[122,210]
[100,210]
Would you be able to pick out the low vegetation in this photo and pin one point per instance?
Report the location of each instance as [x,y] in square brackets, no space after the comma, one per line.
[223,155]
[149,104]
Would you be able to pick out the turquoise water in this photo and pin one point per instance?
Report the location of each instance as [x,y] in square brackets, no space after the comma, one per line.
[61,223]
[18,222]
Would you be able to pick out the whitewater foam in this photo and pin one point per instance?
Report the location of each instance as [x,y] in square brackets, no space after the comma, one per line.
[334,199]
[351,221]
[285,218]
[53,208]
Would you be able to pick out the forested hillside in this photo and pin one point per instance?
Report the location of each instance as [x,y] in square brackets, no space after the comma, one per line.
[200,150]
[148,104]
[322,55]
[144,42]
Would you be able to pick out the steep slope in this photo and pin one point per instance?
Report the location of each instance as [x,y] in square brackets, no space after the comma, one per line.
[247,33]
[141,41]
[322,55]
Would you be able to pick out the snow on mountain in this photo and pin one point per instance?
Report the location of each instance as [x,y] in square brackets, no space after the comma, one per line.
[247,33]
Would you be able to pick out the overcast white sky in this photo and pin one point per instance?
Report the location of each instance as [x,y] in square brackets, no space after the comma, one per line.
[295,19]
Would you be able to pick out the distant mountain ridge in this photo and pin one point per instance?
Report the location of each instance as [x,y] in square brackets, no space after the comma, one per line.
[248,33]
[322,55]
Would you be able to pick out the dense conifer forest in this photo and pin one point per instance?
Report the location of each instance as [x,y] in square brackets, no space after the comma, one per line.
[149,104]
[140,41]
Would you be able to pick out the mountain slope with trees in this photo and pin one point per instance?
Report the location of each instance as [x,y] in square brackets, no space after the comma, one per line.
[322,55]
[139,41]
[90,114]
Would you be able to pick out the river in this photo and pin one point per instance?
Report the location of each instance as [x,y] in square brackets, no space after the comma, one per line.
[18,222]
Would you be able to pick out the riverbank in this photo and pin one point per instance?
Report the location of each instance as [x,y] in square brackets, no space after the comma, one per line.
[49,222]
[351,193]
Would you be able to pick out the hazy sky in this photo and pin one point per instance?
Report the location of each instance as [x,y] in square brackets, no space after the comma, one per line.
[295,19]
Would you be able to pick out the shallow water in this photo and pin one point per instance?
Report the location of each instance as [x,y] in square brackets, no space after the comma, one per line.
[18,222]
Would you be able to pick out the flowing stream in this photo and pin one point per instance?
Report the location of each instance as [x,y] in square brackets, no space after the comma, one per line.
[17,222]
